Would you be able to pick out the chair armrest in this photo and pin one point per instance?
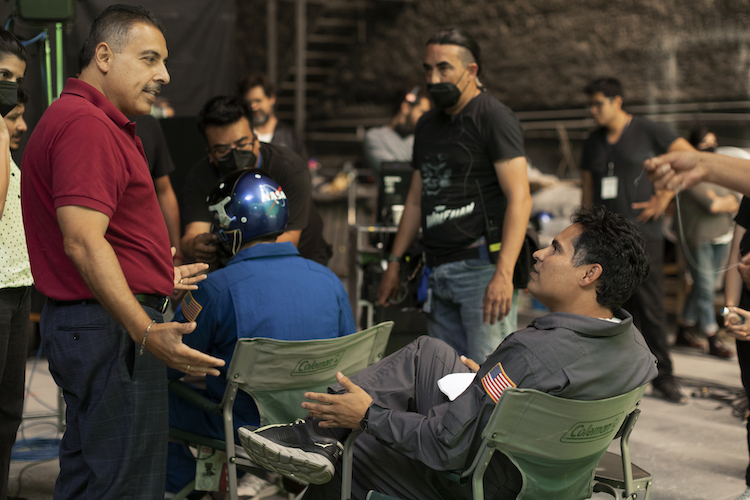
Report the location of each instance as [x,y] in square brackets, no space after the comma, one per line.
[186,392]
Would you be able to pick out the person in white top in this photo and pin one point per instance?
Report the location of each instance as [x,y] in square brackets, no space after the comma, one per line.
[15,273]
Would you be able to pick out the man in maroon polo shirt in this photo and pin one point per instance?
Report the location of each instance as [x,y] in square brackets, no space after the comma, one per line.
[99,249]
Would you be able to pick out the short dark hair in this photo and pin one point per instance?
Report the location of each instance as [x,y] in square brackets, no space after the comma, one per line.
[411,93]
[11,46]
[697,135]
[256,80]
[113,27]
[618,246]
[223,110]
[455,36]
[608,86]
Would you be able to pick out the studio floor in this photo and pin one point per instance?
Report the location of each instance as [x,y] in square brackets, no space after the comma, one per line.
[696,451]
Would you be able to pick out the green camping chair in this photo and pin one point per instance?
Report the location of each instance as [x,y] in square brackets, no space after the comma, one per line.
[276,373]
[555,443]
[616,471]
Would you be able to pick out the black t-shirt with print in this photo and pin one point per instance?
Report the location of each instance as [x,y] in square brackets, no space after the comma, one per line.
[455,155]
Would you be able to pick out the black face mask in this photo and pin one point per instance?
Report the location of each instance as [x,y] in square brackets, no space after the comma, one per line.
[8,96]
[236,160]
[445,94]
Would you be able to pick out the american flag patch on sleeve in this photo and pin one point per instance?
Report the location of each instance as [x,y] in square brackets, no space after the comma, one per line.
[496,381]
[190,307]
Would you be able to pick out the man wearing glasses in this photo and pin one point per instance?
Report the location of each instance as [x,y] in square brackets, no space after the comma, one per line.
[611,172]
[233,145]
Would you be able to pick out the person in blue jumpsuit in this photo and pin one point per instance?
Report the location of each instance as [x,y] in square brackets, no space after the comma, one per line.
[265,290]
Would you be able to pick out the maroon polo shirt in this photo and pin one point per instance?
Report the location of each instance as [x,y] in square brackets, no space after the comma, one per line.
[84,152]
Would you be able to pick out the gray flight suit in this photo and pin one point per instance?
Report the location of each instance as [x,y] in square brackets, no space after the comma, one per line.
[414,430]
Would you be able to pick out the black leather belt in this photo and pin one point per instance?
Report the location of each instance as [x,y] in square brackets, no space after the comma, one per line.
[157,302]
[434,260]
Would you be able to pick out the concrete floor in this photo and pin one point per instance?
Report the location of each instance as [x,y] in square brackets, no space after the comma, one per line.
[694,452]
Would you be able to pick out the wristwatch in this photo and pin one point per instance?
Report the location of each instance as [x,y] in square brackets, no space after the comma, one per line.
[364,424]
[394,258]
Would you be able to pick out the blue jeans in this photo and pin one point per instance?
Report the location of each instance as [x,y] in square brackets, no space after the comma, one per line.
[456,315]
[703,262]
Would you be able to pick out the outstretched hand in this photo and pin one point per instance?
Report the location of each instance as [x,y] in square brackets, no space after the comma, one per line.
[187,276]
[651,209]
[165,342]
[339,410]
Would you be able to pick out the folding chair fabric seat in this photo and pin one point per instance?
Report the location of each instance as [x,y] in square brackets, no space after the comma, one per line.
[275,373]
[555,443]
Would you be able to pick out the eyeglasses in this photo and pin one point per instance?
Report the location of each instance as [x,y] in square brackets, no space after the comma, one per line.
[222,149]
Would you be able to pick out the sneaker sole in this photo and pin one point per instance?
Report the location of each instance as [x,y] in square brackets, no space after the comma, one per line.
[291,462]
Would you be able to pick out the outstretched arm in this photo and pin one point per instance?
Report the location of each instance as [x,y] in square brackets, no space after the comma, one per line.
[83,231]
[684,169]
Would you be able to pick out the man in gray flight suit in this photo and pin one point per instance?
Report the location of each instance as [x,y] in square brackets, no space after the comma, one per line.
[586,348]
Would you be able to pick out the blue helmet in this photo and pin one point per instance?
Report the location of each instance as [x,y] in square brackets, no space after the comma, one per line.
[247,205]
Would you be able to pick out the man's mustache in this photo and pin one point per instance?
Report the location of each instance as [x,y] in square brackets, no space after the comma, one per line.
[153,87]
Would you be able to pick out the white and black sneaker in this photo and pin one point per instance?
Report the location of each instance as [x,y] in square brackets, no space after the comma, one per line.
[299,450]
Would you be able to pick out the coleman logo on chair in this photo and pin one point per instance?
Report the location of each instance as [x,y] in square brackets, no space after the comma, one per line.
[582,432]
[313,365]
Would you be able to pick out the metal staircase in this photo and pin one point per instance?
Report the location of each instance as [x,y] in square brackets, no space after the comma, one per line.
[334,27]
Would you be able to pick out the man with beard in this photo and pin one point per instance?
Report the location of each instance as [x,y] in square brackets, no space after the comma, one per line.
[470,194]
[259,93]
[395,141]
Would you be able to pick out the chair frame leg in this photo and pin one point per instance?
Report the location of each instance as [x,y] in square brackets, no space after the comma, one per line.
[347,465]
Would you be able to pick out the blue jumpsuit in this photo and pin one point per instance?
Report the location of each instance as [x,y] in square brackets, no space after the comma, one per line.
[266,290]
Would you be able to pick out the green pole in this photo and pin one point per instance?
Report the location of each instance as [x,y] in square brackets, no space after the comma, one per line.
[59,57]
[48,66]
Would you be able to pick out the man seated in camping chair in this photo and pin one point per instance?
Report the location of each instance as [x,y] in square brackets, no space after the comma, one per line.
[586,348]
[265,290]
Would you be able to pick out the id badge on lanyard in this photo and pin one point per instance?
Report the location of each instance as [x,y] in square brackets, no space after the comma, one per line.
[609,183]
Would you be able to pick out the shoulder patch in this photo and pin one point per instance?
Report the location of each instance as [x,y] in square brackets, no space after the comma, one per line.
[190,307]
[496,381]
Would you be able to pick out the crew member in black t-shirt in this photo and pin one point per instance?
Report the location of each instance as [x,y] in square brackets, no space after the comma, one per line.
[612,175]
[160,165]
[232,145]
[470,194]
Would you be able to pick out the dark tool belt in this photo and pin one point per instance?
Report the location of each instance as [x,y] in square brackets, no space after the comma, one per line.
[434,260]
[157,302]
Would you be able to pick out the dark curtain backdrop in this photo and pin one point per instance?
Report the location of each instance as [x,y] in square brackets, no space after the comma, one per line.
[200,37]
